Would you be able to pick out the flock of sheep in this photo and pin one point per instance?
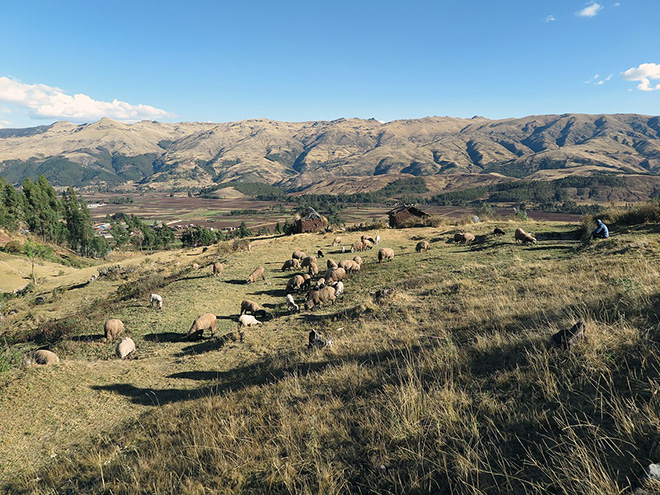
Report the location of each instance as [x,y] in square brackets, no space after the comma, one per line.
[325,289]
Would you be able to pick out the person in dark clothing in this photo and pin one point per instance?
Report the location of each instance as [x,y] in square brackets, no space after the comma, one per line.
[601,231]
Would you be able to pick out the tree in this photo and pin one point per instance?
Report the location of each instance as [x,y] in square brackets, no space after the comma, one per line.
[35,250]
[80,234]
[43,210]
[243,231]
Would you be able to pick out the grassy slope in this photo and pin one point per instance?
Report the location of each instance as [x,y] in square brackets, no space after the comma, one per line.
[448,385]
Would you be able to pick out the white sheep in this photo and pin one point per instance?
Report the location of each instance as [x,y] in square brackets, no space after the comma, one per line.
[246,321]
[339,288]
[291,303]
[157,299]
[125,348]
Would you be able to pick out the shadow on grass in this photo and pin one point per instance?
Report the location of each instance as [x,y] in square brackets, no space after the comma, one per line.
[99,337]
[235,282]
[212,344]
[164,337]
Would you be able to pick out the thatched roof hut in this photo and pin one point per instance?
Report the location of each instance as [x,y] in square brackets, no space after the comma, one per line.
[311,221]
[401,213]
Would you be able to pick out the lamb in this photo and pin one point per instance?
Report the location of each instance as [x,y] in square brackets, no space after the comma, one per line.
[43,356]
[331,263]
[113,329]
[217,269]
[521,236]
[334,275]
[299,255]
[357,246]
[257,274]
[313,269]
[246,321]
[253,307]
[498,231]
[319,297]
[292,264]
[203,322]
[319,254]
[291,303]
[295,283]
[385,254]
[308,260]
[370,239]
[125,348]
[378,239]
[155,298]
[337,241]
[368,244]
[319,283]
[422,246]
[358,260]
[463,237]
[339,288]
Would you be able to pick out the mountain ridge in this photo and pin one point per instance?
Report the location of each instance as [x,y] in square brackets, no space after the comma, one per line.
[299,155]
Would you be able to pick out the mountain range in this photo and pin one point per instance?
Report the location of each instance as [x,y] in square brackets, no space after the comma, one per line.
[324,156]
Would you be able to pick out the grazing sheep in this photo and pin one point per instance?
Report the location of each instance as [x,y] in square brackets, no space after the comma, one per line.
[113,329]
[498,231]
[337,241]
[313,269]
[318,297]
[385,254]
[248,306]
[308,260]
[299,255]
[125,348]
[319,253]
[521,236]
[203,322]
[217,269]
[463,237]
[257,274]
[195,266]
[339,288]
[319,283]
[370,239]
[567,338]
[291,303]
[358,260]
[368,244]
[43,356]
[295,283]
[422,246]
[350,266]
[334,275]
[292,264]
[246,321]
[331,263]
[155,298]
[357,246]
[308,281]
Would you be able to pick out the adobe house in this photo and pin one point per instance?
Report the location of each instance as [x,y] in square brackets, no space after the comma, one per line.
[401,213]
[311,221]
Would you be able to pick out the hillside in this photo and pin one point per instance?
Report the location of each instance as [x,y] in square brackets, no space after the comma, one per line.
[447,385]
[315,155]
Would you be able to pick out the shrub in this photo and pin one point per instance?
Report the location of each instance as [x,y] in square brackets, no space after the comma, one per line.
[14,247]
[141,287]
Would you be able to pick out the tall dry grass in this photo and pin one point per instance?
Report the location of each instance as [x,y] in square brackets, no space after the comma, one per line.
[448,386]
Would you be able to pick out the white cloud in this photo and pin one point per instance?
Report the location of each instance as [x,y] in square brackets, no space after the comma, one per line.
[47,102]
[3,123]
[597,81]
[590,10]
[644,73]
[550,18]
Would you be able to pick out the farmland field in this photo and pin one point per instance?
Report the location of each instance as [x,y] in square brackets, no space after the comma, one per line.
[217,212]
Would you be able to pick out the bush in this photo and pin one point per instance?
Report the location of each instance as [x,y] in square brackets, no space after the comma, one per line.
[14,247]
[634,215]
[141,287]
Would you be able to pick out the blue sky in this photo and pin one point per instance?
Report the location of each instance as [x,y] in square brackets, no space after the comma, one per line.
[223,61]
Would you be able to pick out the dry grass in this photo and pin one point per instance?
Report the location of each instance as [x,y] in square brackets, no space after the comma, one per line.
[447,386]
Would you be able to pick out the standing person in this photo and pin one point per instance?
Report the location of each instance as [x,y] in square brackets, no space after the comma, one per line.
[601,231]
